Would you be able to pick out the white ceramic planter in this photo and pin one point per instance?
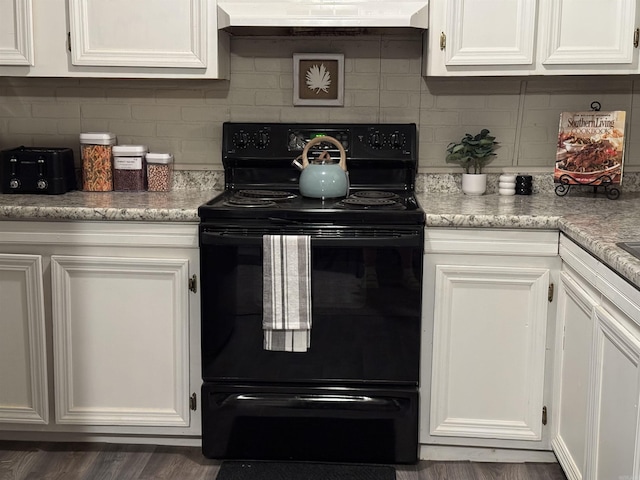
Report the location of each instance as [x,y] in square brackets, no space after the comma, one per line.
[474,183]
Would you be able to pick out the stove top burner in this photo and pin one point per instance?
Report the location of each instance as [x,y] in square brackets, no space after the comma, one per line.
[249,202]
[273,195]
[374,202]
[374,194]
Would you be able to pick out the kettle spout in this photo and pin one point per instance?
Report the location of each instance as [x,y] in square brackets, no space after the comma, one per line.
[297,163]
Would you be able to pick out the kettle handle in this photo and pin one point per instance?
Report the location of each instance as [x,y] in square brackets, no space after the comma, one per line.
[326,138]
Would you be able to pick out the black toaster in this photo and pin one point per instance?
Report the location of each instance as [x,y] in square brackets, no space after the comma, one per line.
[37,170]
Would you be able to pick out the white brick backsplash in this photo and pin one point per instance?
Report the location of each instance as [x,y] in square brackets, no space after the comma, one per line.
[256,80]
[355,81]
[33,126]
[382,83]
[55,110]
[366,65]
[182,130]
[206,113]
[159,112]
[365,98]
[438,117]
[401,82]
[487,119]
[273,97]
[138,129]
[104,110]
[15,110]
[394,99]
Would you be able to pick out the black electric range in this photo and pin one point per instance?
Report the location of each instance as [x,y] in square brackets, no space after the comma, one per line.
[262,184]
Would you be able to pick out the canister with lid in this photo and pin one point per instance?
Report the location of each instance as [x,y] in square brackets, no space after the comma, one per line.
[96,151]
[129,169]
[159,171]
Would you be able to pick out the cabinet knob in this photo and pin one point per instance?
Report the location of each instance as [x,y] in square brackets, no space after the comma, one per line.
[636,37]
[443,40]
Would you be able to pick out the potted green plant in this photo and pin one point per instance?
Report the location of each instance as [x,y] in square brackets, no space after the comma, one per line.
[473,152]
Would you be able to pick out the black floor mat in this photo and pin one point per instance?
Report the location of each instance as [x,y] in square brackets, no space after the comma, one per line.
[256,470]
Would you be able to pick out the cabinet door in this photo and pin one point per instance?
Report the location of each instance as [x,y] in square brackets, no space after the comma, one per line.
[16,32]
[23,364]
[479,37]
[573,367]
[144,33]
[588,32]
[489,341]
[121,340]
[614,449]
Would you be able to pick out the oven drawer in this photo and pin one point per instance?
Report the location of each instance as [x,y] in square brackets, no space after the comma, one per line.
[310,423]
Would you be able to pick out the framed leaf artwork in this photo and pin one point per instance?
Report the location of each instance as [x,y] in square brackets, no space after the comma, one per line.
[318,79]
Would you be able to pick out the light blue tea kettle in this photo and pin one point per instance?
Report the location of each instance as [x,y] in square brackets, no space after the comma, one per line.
[322,177]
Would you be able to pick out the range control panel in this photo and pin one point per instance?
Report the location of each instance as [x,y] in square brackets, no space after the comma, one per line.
[255,140]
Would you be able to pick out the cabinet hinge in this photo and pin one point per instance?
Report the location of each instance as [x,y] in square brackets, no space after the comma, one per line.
[443,41]
[544,415]
[193,402]
[193,283]
[550,292]
[69,41]
[636,37]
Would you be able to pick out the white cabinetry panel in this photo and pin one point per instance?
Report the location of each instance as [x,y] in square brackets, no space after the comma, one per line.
[122,33]
[508,39]
[614,447]
[488,368]
[573,367]
[121,340]
[16,32]
[23,364]
[587,31]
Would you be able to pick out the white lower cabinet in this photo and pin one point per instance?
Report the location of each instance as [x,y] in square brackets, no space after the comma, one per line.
[487,308]
[111,305]
[597,371]
[613,440]
[23,362]
[574,338]
[121,354]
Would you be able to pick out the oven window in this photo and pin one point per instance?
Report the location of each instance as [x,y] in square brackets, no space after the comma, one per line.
[366,305]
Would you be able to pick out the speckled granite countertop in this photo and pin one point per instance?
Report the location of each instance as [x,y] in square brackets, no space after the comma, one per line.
[175,206]
[594,222]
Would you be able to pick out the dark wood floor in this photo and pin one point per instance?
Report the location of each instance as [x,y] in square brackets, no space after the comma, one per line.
[103,461]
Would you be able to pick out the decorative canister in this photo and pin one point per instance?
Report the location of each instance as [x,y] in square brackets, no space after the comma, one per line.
[129,167]
[524,185]
[507,184]
[96,151]
[159,171]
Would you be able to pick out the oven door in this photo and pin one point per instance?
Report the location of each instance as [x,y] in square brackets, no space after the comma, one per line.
[366,307]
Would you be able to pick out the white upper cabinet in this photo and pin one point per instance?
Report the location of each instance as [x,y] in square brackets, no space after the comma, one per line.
[586,34]
[123,39]
[158,33]
[507,40]
[16,32]
[532,37]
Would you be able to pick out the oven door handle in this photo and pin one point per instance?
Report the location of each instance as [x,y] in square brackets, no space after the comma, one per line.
[341,402]
[385,240]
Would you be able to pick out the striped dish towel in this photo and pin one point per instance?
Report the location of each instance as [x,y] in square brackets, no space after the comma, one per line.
[286,286]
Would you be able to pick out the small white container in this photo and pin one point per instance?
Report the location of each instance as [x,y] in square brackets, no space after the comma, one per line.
[159,172]
[129,169]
